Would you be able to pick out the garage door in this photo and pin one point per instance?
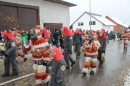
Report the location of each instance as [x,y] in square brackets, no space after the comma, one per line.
[28,18]
[8,17]
[21,16]
[53,26]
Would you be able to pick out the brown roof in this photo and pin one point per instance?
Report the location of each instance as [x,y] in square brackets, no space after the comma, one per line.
[62,2]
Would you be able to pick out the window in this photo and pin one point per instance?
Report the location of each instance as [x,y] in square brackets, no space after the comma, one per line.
[82,23]
[78,24]
[92,22]
[122,28]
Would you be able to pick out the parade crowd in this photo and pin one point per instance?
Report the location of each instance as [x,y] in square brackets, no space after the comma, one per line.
[57,55]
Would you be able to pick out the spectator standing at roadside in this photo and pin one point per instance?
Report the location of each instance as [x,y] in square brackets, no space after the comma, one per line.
[56,37]
[24,38]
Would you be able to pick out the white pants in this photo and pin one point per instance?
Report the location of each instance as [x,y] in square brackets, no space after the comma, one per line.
[89,61]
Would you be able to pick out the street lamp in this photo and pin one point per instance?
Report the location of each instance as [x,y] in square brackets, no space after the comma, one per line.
[90,13]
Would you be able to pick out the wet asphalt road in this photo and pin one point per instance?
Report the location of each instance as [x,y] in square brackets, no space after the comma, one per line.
[112,74]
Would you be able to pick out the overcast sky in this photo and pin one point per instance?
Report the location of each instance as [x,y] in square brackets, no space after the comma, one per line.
[116,8]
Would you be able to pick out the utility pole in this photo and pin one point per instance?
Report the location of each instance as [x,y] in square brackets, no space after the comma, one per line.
[90,13]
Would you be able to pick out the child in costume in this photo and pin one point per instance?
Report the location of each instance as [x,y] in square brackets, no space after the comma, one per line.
[91,53]
[19,46]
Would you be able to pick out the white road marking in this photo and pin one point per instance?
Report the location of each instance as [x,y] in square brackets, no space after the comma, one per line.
[16,79]
[33,73]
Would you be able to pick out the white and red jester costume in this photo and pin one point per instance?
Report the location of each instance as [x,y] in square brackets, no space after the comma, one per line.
[85,41]
[91,53]
[126,37]
[84,36]
[19,46]
[40,54]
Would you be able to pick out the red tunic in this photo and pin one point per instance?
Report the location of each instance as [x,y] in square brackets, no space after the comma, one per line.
[91,50]
[39,48]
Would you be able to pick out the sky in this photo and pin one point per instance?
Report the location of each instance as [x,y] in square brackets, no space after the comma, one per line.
[116,8]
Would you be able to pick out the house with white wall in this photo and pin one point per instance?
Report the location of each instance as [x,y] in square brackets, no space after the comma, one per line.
[25,14]
[97,22]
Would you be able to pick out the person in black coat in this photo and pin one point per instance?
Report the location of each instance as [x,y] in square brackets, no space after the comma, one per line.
[58,65]
[102,38]
[77,39]
[56,37]
[68,42]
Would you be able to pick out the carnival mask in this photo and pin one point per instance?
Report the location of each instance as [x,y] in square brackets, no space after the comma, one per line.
[33,35]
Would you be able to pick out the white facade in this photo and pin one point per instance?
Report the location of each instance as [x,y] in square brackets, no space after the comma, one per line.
[85,18]
[108,28]
[49,12]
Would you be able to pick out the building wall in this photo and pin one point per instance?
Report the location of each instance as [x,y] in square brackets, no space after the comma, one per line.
[49,12]
[108,28]
[117,28]
[85,19]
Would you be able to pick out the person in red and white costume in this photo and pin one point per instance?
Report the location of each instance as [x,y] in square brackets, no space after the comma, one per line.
[40,53]
[85,42]
[84,36]
[126,37]
[19,46]
[91,53]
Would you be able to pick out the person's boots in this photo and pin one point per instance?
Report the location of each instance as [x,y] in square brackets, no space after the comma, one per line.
[5,75]
[16,74]
[84,74]
[77,57]
[68,68]
[25,59]
[72,64]
[92,72]
[100,65]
